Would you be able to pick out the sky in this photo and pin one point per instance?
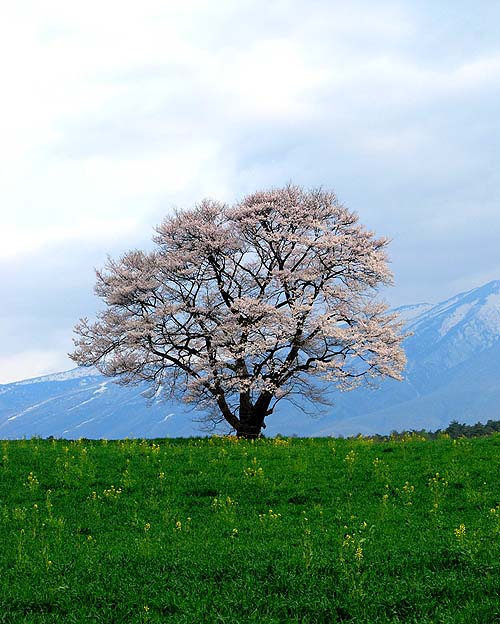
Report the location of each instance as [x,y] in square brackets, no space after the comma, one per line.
[113,113]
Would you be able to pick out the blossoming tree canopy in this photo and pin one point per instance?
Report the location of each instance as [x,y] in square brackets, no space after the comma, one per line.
[240,306]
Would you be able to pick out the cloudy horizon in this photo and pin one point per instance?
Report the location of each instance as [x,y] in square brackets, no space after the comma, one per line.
[115,113]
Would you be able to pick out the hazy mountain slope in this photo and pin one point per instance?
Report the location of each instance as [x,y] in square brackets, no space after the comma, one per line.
[82,403]
[453,372]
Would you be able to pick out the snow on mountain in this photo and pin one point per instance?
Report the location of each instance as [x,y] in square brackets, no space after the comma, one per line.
[453,372]
[74,373]
[83,403]
[480,305]
[455,330]
[409,312]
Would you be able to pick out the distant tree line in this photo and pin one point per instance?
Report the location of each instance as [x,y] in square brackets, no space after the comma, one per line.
[454,430]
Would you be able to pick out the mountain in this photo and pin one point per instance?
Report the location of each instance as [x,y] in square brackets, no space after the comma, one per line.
[453,373]
[453,370]
[408,312]
[83,403]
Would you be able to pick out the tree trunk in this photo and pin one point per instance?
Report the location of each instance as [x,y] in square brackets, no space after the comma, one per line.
[251,417]
[249,431]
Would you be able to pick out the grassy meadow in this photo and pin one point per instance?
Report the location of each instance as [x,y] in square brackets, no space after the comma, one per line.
[226,530]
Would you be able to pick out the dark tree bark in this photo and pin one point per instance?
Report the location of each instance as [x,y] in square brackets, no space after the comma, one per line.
[252,416]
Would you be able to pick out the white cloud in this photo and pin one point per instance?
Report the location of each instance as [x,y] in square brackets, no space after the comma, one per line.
[113,112]
[32,363]
[270,79]
[19,242]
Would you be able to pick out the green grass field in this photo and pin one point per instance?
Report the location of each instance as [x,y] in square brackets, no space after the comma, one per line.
[224,530]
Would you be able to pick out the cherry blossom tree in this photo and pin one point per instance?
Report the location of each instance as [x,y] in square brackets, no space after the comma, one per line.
[241,306]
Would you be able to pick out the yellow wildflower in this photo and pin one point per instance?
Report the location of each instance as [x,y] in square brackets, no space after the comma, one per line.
[460,531]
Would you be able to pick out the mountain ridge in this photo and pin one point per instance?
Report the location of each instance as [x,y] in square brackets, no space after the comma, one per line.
[453,371]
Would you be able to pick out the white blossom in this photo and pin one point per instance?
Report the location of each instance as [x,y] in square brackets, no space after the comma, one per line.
[240,306]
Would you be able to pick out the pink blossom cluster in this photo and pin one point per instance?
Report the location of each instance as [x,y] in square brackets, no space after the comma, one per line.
[240,306]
